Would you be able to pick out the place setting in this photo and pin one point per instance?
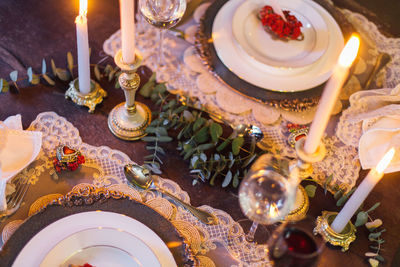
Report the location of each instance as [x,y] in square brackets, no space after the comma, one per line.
[225,133]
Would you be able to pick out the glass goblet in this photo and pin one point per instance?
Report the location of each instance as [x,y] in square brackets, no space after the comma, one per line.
[293,244]
[162,14]
[267,193]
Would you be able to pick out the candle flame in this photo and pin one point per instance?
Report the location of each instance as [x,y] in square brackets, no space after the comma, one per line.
[385,161]
[80,19]
[83,7]
[349,52]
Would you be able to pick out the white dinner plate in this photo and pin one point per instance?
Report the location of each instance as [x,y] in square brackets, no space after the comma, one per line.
[264,47]
[272,78]
[36,250]
[101,247]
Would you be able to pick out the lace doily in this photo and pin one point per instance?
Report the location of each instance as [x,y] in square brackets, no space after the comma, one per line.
[211,243]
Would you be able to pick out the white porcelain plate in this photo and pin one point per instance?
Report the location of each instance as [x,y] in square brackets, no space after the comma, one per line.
[72,232]
[269,77]
[106,247]
[262,46]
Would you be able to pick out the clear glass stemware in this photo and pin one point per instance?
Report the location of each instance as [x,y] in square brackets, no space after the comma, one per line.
[163,14]
[267,193]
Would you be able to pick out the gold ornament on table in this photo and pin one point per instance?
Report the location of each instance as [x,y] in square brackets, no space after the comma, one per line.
[129,120]
[343,239]
[90,100]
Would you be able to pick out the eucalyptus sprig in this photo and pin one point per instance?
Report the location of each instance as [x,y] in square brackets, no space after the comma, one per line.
[200,139]
[63,74]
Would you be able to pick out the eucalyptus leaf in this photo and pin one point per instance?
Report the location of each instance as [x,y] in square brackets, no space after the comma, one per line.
[117,85]
[380,258]
[198,123]
[237,144]
[48,79]
[310,189]
[249,160]
[215,131]
[53,67]
[203,147]
[164,139]
[4,86]
[373,262]
[70,63]
[29,73]
[344,198]
[228,179]
[338,194]
[374,236]
[224,144]
[152,168]
[14,75]
[327,182]
[63,74]
[203,157]
[374,207]
[235,181]
[193,161]
[149,138]
[44,68]
[97,73]
[189,153]
[146,89]
[202,135]
[362,218]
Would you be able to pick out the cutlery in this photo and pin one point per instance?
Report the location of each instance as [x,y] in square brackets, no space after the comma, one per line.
[142,178]
[14,201]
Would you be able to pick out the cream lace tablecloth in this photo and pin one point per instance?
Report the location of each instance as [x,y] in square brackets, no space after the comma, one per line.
[187,75]
[213,245]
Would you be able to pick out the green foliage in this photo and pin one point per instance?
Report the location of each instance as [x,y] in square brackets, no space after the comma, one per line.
[200,140]
[310,189]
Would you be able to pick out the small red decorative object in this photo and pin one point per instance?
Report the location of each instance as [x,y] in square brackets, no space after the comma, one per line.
[67,159]
[289,29]
[297,132]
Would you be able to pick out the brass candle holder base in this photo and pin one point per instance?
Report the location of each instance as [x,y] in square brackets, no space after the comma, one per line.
[90,100]
[129,120]
[301,206]
[343,239]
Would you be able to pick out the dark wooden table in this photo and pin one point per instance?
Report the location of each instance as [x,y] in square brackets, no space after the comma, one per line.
[32,30]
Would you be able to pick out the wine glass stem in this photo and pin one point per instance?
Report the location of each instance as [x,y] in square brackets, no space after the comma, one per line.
[252,232]
[161,60]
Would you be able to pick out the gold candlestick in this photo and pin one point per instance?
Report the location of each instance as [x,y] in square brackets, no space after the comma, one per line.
[342,239]
[90,100]
[304,164]
[129,119]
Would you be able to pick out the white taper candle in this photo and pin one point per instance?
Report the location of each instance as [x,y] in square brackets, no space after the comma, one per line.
[83,53]
[330,95]
[358,197]
[127,13]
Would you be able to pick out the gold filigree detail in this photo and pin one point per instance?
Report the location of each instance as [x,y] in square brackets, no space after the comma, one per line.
[10,228]
[163,206]
[190,233]
[42,202]
[204,261]
[126,189]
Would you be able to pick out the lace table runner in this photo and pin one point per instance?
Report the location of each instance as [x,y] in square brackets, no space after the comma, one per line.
[187,75]
[212,245]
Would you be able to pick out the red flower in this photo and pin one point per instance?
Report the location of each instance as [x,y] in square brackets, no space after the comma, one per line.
[284,29]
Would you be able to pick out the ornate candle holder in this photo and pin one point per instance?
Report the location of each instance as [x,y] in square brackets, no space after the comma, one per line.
[129,119]
[342,239]
[304,164]
[90,100]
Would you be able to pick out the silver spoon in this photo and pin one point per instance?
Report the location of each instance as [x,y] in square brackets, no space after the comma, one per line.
[141,177]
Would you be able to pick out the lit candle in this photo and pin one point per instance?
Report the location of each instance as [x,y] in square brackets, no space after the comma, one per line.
[330,95]
[83,49]
[358,197]
[127,10]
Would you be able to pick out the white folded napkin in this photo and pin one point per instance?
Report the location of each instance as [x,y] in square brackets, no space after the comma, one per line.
[380,120]
[18,148]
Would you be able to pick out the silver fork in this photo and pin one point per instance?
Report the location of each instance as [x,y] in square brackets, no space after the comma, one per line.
[14,201]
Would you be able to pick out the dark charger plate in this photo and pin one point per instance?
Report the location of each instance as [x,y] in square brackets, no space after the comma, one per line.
[293,101]
[146,215]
